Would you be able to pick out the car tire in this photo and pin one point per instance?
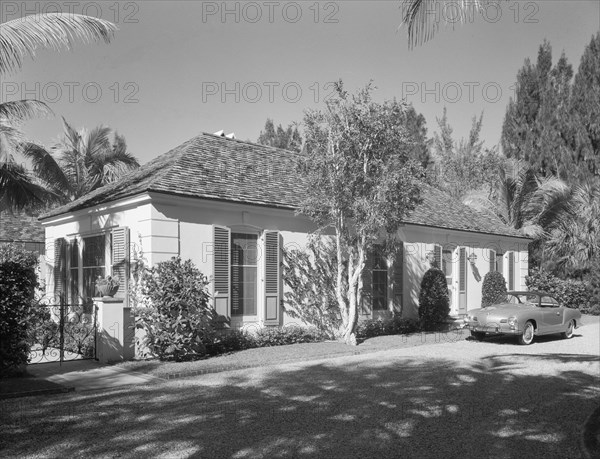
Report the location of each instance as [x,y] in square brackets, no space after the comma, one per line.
[568,333]
[526,337]
[477,335]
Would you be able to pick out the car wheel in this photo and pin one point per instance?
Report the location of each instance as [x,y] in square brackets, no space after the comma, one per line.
[568,333]
[477,335]
[526,337]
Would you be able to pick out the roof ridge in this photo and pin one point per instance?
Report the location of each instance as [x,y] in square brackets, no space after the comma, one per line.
[254,144]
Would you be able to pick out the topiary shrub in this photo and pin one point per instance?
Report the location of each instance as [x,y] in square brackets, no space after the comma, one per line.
[17,305]
[493,288]
[178,321]
[434,304]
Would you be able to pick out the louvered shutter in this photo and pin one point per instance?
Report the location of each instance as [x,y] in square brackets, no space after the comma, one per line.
[60,269]
[462,281]
[511,270]
[366,302]
[398,278]
[221,270]
[492,260]
[500,263]
[272,277]
[120,260]
[437,253]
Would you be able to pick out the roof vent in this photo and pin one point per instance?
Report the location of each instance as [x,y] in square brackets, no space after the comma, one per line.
[221,133]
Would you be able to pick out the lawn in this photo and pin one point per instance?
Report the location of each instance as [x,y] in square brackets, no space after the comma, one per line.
[266,356]
[464,399]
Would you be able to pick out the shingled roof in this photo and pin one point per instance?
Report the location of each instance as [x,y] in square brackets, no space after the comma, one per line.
[20,227]
[217,168]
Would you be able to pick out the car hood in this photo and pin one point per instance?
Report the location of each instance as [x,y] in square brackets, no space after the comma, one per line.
[503,308]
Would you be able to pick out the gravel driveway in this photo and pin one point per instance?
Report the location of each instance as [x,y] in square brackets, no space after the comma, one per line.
[461,399]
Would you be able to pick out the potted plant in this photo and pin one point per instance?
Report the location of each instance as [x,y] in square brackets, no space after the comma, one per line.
[107,286]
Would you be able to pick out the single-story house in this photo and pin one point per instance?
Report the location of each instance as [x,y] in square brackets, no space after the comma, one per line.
[230,207]
[26,231]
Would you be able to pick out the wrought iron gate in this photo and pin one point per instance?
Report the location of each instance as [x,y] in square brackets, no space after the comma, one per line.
[63,332]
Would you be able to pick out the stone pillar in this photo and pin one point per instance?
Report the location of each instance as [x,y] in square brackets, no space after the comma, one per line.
[115,340]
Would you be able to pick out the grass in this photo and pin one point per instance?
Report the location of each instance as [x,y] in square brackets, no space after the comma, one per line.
[26,386]
[268,356]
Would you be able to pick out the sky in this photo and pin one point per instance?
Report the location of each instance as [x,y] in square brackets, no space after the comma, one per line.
[178,68]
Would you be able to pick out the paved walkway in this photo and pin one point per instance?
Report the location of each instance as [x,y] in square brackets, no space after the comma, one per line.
[85,375]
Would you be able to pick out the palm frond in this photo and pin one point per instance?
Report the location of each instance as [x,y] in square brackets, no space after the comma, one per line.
[422,17]
[46,167]
[18,111]
[18,190]
[23,36]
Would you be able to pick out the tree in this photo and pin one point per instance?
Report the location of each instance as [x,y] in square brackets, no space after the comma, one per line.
[22,37]
[288,139]
[464,169]
[82,161]
[573,245]
[585,108]
[360,183]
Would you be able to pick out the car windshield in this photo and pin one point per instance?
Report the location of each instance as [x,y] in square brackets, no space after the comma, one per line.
[521,298]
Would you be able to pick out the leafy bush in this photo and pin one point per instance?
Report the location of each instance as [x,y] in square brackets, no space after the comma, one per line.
[594,288]
[493,288]
[280,336]
[573,294]
[230,341]
[434,304]
[178,320]
[392,326]
[310,276]
[17,304]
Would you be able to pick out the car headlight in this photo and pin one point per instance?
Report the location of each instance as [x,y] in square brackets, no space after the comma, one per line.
[512,321]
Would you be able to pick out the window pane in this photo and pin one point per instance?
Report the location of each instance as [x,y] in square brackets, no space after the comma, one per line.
[244,250]
[93,251]
[379,289]
[243,290]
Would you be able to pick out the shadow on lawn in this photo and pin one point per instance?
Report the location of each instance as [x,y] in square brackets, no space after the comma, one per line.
[397,407]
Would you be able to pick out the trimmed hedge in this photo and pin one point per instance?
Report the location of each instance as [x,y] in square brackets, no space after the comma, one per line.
[493,288]
[434,304]
[392,326]
[18,281]
[573,294]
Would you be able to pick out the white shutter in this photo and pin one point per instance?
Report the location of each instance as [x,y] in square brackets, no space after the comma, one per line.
[272,278]
[221,270]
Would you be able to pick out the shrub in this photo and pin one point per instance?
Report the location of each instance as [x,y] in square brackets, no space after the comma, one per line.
[230,341]
[434,304]
[17,304]
[594,288]
[280,336]
[573,294]
[178,319]
[392,326]
[493,288]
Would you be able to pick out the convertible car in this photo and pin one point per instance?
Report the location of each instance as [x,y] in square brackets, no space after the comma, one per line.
[525,315]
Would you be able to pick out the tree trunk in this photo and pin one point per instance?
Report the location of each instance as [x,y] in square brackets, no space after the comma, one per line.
[354,274]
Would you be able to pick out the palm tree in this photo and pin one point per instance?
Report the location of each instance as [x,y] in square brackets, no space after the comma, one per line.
[81,161]
[573,245]
[19,38]
[422,16]
[524,201]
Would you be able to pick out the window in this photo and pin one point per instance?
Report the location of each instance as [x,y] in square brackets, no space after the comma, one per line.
[93,264]
[380,280]
[511,270]
[244,257]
